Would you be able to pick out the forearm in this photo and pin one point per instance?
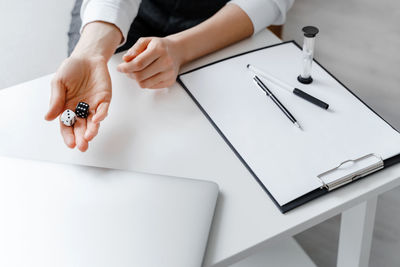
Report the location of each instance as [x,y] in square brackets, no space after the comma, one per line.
[98,39]
[227,26]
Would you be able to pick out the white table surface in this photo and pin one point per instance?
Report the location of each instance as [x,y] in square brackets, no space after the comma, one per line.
[164,132]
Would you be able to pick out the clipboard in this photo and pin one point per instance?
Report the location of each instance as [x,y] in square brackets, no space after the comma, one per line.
[337,147]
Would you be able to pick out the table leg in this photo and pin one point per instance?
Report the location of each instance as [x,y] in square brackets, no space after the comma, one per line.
[356,231]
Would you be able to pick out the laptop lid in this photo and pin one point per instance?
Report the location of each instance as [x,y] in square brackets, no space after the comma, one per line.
[68,215]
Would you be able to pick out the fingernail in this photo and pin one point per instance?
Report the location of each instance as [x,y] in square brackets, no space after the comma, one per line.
[119,69]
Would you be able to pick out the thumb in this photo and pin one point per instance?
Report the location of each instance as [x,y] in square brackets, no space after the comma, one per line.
[57,99]
[140,45]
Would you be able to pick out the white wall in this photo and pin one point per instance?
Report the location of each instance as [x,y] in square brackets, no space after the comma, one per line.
[33,38]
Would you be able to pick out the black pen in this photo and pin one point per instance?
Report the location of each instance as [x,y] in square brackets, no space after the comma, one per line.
[289,88]
[276,101]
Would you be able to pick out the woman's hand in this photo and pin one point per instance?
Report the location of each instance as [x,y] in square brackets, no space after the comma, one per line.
[153,62]
[84,77]
[81,79]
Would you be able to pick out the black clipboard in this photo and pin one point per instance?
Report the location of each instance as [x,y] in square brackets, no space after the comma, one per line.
[324,189]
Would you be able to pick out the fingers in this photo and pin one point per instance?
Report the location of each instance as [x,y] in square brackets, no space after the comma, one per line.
[101,112]
[91,128]
[163,84]
[136,49]
[158,66]
[166,78]
[140,62]
[79,131]
[84,130]
[68,135]
[93,121]
[57,100]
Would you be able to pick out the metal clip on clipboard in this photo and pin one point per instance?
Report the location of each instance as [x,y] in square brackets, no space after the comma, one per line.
[350,170]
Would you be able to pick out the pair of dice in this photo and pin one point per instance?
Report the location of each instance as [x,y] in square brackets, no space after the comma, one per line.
[68,118]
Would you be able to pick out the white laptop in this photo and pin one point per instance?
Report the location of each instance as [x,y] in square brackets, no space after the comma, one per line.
[55,215]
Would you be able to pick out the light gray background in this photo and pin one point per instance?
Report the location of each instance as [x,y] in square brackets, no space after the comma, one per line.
[358,42]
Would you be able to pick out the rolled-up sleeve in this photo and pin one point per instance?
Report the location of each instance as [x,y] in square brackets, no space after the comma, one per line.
[263,13]
[121,13]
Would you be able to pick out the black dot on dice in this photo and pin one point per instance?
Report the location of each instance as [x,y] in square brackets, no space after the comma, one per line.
[82,110]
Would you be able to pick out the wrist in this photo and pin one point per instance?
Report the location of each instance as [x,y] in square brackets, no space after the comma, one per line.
[98,40]
[178,42]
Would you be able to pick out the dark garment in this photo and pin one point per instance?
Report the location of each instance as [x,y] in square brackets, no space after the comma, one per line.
[74,26]
[155,18]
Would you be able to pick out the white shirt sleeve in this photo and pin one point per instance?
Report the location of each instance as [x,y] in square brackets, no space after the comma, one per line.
[121,13]
[263,13]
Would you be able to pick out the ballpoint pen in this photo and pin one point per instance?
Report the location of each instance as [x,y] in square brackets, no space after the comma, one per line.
[276,101]
[288,87]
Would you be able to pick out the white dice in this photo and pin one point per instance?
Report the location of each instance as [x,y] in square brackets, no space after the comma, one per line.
[68,117]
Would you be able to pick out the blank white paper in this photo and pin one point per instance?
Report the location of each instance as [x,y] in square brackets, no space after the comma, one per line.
[286,159]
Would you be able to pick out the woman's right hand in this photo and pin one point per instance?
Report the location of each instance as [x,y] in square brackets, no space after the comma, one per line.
[77,80]
[84,77]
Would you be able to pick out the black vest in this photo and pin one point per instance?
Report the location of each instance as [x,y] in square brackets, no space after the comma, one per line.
[164,17]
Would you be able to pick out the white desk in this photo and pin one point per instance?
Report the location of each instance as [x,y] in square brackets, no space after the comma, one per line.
[164,132]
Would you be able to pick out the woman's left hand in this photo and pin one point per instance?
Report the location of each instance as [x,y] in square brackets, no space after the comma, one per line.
[153,62]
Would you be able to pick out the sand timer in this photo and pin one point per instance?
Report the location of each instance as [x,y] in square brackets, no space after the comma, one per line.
[308,53]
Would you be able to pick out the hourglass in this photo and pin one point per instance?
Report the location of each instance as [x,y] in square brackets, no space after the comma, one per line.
[308,53]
